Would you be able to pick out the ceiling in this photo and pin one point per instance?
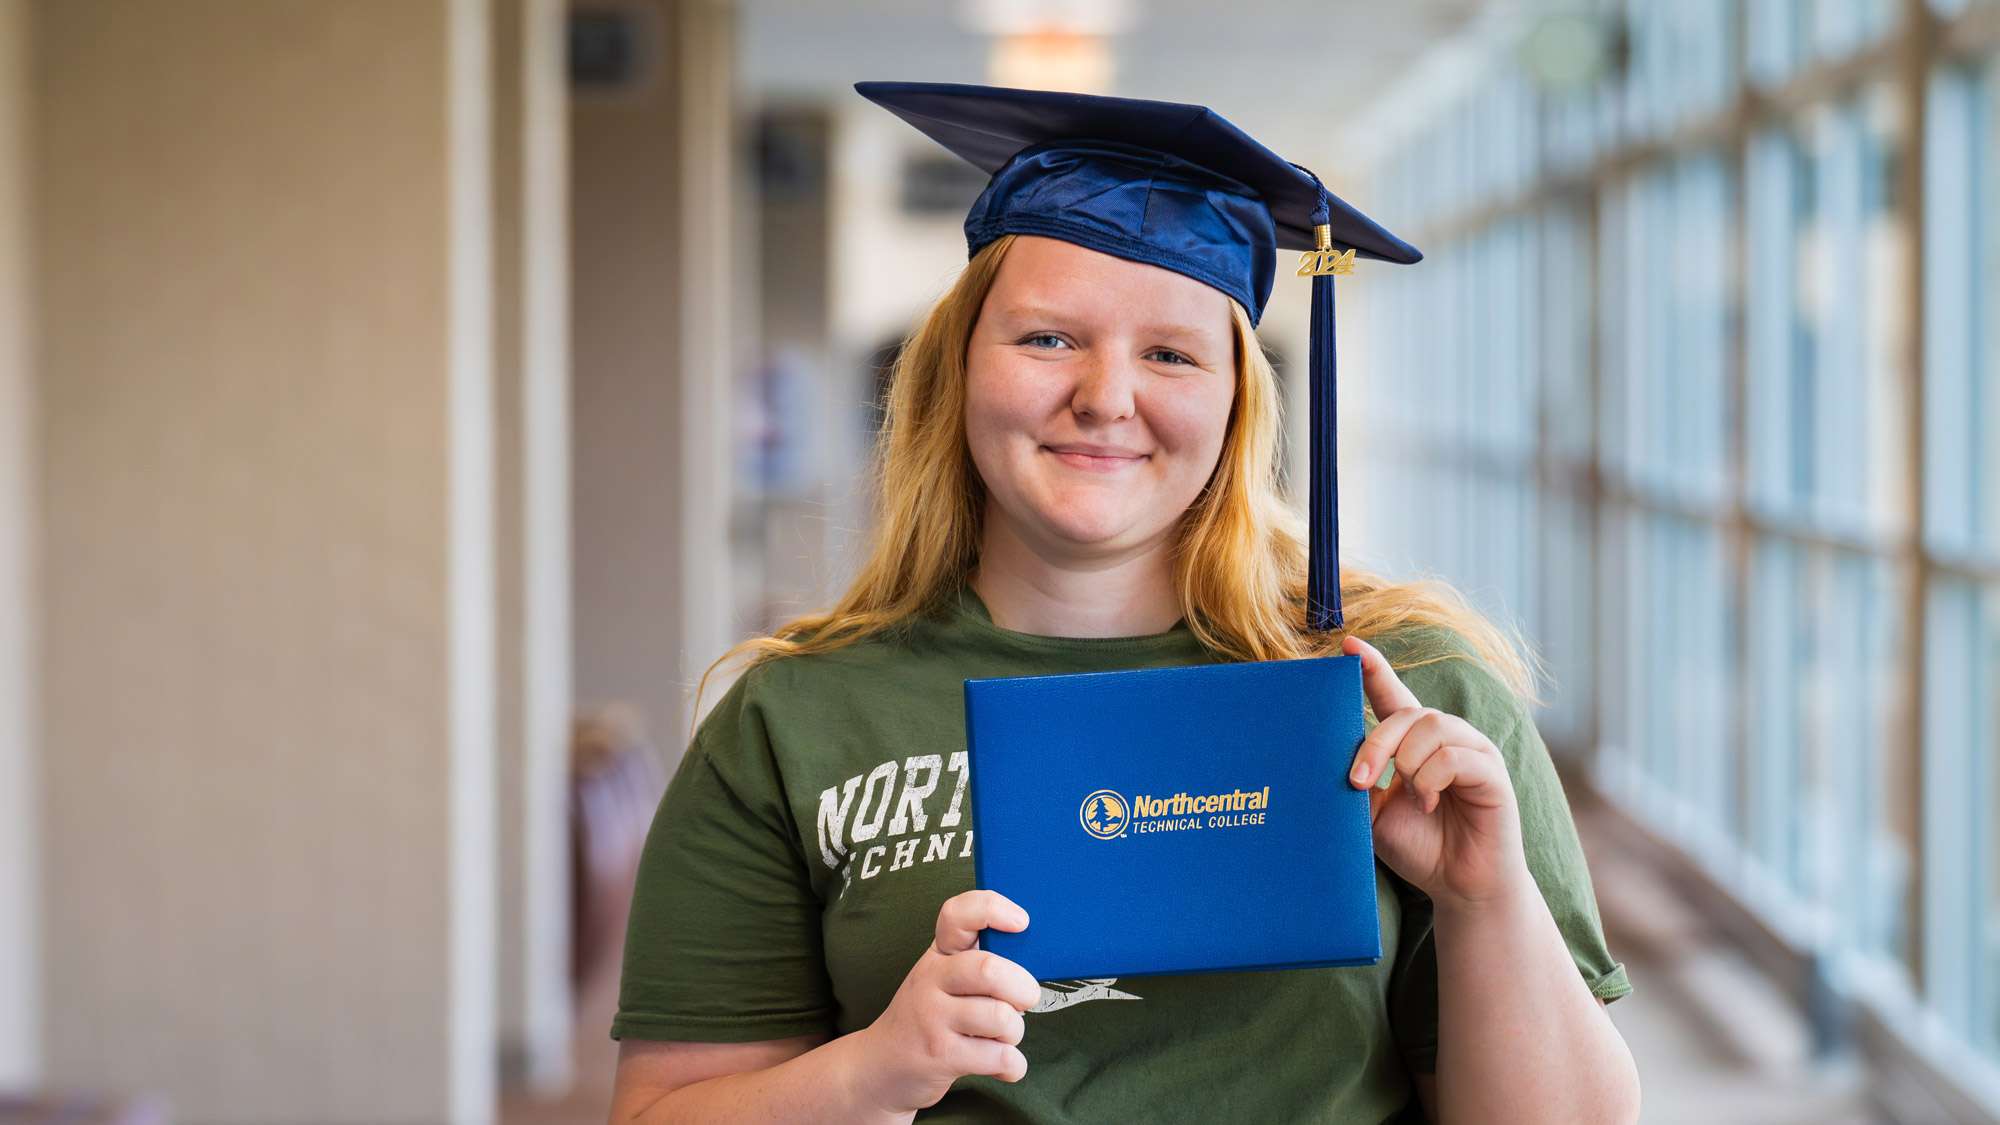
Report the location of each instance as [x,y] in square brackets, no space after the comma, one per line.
[1288,71]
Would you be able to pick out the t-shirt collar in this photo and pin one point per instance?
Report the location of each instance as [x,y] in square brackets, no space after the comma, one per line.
[970,610]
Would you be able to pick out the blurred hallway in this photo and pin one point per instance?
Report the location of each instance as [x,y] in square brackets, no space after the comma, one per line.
[403,401]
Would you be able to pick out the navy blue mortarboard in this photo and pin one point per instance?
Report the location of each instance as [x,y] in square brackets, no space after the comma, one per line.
[1170,185]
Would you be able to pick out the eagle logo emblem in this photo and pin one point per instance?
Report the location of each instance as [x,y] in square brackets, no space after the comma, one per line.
[1059,994]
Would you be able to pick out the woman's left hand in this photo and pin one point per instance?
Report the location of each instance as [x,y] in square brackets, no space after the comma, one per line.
[1447,822]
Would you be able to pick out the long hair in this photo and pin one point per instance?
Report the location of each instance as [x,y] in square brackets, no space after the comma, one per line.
[1240,550]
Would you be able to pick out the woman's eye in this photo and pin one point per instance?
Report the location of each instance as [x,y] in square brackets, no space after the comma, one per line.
[1172,356]
[1032,340]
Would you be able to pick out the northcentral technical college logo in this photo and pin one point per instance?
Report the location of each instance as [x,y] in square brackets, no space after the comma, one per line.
[1104,814]
[1107,815]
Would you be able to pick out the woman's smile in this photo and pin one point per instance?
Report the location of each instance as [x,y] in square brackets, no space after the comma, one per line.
[1094,458]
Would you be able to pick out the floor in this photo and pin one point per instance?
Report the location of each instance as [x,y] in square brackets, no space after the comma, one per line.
[595,1055]
[1716,1044]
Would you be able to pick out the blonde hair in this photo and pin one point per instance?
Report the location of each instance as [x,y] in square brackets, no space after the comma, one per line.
[1240,558]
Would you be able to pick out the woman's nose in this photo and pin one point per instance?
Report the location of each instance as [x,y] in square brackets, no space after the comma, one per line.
[1105,388]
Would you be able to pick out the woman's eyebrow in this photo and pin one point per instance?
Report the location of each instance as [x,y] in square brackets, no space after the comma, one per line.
[1170,330]
[1179,332]
[1034,312]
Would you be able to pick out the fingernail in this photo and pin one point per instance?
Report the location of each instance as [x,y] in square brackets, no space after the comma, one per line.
[1360,774]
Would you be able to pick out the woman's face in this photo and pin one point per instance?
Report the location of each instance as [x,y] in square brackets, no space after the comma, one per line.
[1098,392]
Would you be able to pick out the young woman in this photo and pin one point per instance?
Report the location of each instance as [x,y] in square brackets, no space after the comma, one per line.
[1078,473]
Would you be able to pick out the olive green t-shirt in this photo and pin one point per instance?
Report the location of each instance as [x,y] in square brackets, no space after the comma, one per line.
[820,817]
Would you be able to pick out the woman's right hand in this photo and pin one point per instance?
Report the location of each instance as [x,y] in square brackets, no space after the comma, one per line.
[958,1012]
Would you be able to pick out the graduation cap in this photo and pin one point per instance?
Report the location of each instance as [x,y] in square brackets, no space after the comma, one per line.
[1169,185]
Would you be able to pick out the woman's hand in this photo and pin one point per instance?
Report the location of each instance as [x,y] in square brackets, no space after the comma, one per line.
[1447,822]
[957,1012]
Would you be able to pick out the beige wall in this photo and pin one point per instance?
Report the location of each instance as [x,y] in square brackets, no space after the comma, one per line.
[20,857]
[652,176]
[264,404]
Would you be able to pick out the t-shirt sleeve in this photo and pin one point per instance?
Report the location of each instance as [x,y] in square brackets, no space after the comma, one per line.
[723,942]
[1555,859]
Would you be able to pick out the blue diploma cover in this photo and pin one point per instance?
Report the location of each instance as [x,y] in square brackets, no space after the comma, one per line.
[1175,820]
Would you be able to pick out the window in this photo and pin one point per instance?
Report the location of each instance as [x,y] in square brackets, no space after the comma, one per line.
[1962,256]
[1743,633]
[1962,533]
[1962,901]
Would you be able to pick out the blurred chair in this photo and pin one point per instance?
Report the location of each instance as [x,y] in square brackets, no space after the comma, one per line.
[82,1109]
[616,781]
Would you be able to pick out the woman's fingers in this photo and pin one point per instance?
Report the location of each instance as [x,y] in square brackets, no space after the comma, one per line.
[1416,738]
[1381,743]
[1424,734]
[1439,771]
[986,1017]
[1381,794]
[1385,690]
[978,972]
[1001,1060]
[964,914]
[1393,703]
[1443,751]
[985,996]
